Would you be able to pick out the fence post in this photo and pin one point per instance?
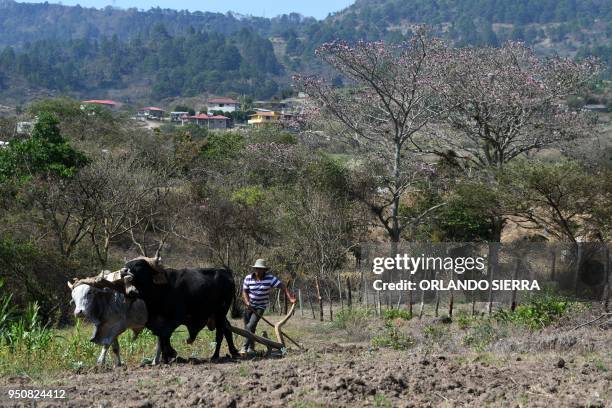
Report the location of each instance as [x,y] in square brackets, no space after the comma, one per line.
[553,264]
[378,305]
[514,276]
[349,298]
[608,286]
[422,306]
[410,297]
[320,298]
[365,291]
[311,307]
[437,302]
[300,301]
[577,268]
[340,292]
[451,303]
[493,254]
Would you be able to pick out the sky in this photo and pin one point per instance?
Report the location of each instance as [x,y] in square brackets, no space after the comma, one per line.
[266,8]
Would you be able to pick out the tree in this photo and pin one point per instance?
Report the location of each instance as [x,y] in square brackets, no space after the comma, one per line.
[125,193]
[562,198]
[502,103]
[45,153]
[389,103]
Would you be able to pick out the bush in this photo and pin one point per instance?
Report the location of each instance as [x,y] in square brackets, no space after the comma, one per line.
[392,337]
[392,314]
[222,146]
[463,320]
[540,311]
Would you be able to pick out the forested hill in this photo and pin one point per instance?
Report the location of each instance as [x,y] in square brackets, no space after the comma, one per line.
[21,23]
[150,55]
[154,66]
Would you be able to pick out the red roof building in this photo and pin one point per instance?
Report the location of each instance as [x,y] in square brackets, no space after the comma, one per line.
[105,102]
[209,121]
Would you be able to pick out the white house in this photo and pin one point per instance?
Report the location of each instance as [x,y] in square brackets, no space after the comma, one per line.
[226,105]
[24,128]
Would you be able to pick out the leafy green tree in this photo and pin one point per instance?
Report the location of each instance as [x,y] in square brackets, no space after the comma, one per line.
[45,152]
[223,146]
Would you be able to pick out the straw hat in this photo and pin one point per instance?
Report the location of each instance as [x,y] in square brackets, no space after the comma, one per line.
[260,264]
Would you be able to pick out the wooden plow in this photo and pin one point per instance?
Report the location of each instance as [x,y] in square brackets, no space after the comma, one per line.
[280,335]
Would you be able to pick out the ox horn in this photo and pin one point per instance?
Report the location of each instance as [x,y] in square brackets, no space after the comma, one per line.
[70,285]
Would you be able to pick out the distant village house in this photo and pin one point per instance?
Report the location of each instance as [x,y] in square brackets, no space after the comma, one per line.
[226,105]
[207,121]
[24,128]
[100,102]
[151,113]
[177,115]
[264,117]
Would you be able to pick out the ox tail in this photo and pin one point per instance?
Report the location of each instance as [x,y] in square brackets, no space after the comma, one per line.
[234,306]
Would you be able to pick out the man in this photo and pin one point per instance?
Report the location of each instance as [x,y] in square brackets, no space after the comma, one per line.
[255,294]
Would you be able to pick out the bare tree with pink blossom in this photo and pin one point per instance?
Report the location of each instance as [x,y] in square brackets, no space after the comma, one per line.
[388,102]
[505,102]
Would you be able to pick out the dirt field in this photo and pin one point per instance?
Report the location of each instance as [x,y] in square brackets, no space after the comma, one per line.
[555,367]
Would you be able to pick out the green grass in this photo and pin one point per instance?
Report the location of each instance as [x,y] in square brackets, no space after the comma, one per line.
[69,350]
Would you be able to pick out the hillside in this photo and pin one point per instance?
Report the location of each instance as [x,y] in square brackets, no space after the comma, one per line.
[150,55]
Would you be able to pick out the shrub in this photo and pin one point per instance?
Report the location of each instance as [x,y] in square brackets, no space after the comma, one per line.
[463,320]
[540,311]
[392,337]
[392,314]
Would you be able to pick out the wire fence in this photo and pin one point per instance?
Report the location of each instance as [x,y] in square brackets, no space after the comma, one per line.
[499,276]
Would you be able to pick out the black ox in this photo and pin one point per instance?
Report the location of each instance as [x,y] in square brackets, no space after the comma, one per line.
[195,297]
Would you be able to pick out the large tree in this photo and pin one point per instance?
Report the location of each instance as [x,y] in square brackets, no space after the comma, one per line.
[503,103]
[562,198]
[388,101]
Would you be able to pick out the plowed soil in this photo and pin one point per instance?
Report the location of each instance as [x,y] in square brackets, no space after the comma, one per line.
[558,367]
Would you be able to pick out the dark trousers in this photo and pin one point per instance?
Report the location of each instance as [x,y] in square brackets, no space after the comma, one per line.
[250,323]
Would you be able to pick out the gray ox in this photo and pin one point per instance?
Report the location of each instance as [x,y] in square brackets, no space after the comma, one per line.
[111,312]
